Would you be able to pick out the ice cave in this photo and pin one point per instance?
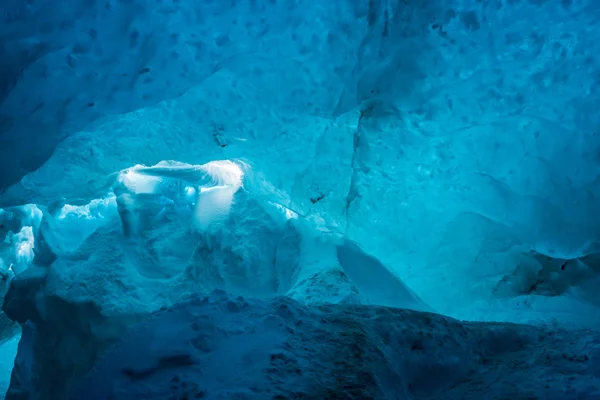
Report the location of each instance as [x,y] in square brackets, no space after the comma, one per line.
[300,199]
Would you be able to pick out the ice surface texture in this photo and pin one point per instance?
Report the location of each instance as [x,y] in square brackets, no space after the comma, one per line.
[222,347]
[151,253]
[454,144]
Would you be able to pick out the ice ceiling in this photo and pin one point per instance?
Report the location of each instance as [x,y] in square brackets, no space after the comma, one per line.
[454,143]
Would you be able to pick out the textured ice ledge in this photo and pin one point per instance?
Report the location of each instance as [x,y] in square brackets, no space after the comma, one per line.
[223,347]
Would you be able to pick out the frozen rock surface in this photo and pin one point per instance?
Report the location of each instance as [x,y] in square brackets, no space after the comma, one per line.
[227,347]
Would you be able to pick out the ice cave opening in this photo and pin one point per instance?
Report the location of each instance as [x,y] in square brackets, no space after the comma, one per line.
[380,199]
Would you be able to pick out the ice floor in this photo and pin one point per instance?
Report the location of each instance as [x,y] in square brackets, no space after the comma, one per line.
[333,157]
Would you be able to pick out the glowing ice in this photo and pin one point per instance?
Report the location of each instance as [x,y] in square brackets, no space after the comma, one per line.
[96,208]
[138,183]
[211,185]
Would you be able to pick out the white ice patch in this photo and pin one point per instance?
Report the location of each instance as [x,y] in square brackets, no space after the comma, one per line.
[96,208]
[216,197]
[20,225]
[21,254]
[224,173]
[210,187]
[25,242]
[33,214]
[190,192]
[287,213]
[139,183]
[74,224]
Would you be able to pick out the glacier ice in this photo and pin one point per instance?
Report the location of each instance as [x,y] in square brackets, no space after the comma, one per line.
[440,156]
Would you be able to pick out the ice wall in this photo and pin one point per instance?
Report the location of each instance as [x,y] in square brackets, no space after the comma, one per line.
[456,142]
[68,64]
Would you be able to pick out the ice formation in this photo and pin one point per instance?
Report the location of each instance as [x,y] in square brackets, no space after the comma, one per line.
[294,184]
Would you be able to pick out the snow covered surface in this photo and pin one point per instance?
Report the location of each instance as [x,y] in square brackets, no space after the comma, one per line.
[433,155]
